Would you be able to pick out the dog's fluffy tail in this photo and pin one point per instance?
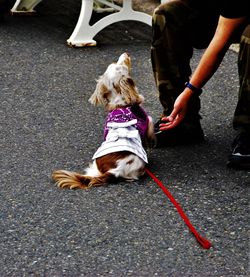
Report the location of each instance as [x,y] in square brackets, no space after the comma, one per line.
[74,180]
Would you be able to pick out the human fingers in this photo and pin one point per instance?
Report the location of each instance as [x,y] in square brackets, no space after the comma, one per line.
[171,122]
[168,125]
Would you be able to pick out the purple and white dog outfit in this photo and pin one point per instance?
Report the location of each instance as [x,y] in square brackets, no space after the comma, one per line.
[125,128]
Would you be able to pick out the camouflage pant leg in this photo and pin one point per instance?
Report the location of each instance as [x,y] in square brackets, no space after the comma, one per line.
[242,113]
[177,28]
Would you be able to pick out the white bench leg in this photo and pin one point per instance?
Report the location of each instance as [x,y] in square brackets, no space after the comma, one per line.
[83,33]
[24,6]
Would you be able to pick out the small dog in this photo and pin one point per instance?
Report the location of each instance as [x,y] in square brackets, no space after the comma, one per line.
[127,129]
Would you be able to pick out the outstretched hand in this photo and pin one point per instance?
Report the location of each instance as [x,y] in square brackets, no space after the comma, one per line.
[178,114]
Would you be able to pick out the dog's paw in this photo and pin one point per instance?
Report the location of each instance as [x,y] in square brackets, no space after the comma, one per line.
[151,143]
[150,137]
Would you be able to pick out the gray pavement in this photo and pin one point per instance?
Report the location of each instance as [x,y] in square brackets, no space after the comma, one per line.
[120,229]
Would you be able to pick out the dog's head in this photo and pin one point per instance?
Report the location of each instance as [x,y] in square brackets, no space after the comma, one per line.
[115,88]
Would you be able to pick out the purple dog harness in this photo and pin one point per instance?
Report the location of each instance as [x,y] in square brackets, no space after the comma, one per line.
[127,114]
[125,128]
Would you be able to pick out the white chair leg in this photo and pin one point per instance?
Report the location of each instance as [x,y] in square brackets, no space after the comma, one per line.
[83,33]
[24,6]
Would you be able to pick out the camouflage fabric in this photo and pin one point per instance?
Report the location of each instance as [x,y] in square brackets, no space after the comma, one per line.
[177,28]
[242,112]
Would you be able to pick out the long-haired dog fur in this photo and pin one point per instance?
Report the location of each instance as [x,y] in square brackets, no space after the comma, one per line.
[127,130]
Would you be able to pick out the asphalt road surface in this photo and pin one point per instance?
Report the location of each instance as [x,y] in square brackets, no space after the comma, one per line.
[124,229]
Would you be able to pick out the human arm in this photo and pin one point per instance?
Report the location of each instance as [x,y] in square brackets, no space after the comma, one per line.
[207,66]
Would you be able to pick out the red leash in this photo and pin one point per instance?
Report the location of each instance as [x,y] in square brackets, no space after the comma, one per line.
[203,242]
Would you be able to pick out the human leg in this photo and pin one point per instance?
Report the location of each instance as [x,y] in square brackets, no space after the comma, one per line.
[177,29]
[241,120]
[240,156]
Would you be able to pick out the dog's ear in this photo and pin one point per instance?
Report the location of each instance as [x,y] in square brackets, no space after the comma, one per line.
[100,95]
[129,91]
